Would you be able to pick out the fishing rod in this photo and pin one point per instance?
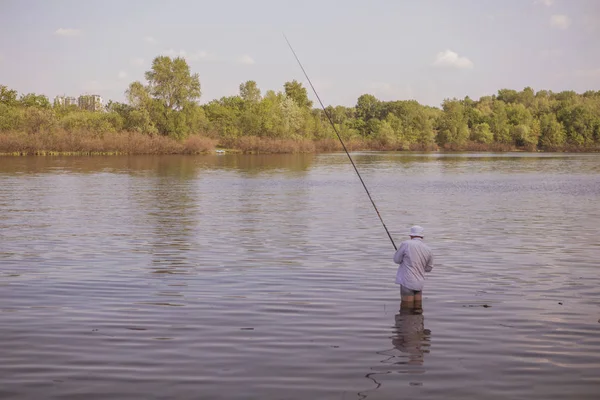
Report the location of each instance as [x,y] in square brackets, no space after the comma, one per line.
[341,141]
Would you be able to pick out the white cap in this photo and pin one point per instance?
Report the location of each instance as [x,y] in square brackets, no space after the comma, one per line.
[416,231]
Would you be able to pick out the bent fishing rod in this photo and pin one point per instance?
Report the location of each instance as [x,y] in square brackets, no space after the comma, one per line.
[341,141]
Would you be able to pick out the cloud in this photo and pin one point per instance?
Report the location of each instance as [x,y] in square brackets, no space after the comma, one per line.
[150,40]
[450,59]
[122,75]
[137,61]
[67,32]
[246,59]
[560,21]
[547,3]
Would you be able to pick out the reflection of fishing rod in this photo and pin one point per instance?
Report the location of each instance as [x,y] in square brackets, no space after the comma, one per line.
[341,141]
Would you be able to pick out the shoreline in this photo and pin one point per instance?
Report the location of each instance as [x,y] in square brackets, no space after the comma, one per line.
[43,153]
[61,143]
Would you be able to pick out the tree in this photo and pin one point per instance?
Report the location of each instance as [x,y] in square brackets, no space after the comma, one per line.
[171,82]
[552,132]
[524,135]
[581,122]
[338,114]
[297,93]
[34,100]
[508,95]
[453,128]
[368,107]
[8,96]
[499,123]
[291,114]
[169,99]
[526,97]
[138,95]
[224,115]
[481,133]
[518,114]
[383,133]
[250,92]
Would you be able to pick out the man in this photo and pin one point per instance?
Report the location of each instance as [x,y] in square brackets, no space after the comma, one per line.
[415,258]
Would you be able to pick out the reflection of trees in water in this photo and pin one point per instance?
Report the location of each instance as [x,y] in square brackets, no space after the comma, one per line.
[256,163]
[172,202]
[173,207]
[411,342]
[180,165]
[270,214]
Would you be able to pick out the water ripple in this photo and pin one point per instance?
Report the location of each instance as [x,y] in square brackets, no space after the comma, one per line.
[243,277]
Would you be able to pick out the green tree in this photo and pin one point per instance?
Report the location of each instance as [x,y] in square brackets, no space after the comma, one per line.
[168,101]
[34,100]
[508,95]
[224,117]
[297,93]
[8,96]
[453,129]
[171,82]
[11,118]
[368,107]
[339,114]
[37,119]
[524,136]
[481,133]
[581,122]
[526,97]
[250,92]
[291,117]
[499,123]
[384,134]
[552,133]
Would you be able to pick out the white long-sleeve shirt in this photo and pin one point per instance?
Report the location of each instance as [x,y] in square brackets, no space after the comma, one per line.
[415,258]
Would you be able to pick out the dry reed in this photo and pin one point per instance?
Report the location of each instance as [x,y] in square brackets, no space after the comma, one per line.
[63,142]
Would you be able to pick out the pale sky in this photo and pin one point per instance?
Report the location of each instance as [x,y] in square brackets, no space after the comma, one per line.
[425,50]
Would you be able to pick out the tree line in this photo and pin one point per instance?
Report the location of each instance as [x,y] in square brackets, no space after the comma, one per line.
[167,104]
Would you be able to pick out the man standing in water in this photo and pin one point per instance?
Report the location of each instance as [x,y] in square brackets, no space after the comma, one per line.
[415,258]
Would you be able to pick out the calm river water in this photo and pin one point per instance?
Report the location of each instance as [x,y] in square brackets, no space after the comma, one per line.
[271,277]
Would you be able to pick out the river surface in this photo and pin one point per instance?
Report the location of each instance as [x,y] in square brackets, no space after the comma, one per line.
[271,277]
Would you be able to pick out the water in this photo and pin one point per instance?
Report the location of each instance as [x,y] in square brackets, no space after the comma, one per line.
[270,277]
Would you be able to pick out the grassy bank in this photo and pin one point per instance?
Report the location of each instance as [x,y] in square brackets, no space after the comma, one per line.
[121,143]
[86,143]
[83,143]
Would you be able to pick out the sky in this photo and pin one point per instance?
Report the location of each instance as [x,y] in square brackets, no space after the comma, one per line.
[425,50]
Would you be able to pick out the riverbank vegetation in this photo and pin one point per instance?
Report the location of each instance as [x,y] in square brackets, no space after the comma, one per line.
[163,116]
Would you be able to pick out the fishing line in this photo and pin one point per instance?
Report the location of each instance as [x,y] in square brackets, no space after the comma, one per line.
[341,141]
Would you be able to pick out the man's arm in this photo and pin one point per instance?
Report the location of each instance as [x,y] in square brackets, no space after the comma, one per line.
[429,265]
[399,256]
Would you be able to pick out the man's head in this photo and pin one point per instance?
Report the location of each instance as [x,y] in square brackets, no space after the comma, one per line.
[416,231]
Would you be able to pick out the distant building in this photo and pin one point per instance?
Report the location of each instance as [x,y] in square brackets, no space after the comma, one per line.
[59,101]
[91,102]
[64,101]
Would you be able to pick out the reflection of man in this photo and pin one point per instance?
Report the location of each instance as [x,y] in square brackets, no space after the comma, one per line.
[411,336]
[415,258]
